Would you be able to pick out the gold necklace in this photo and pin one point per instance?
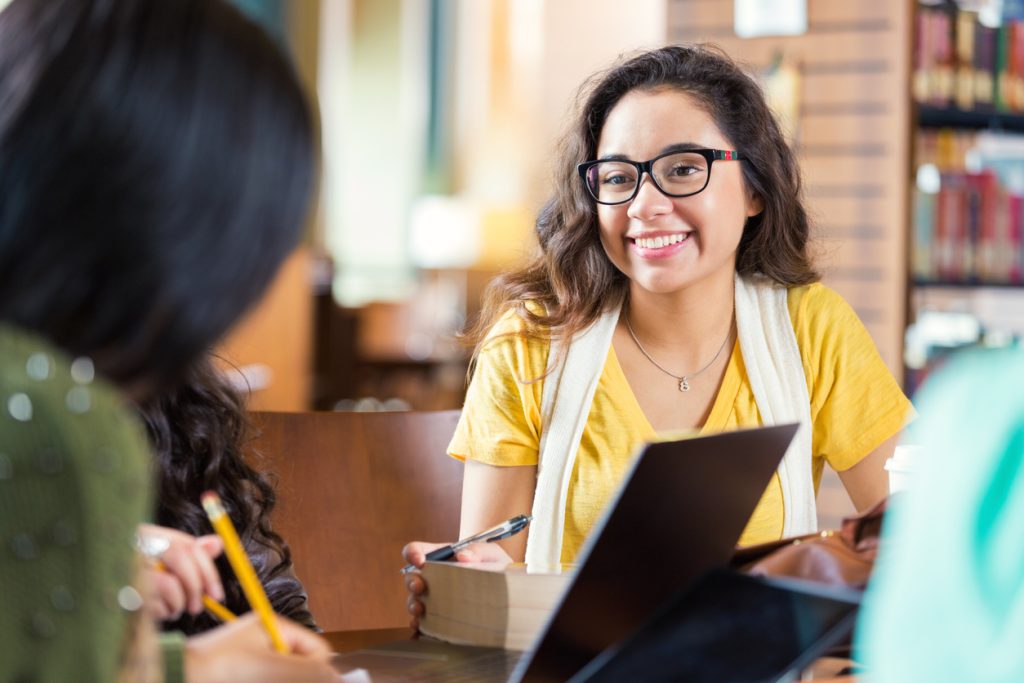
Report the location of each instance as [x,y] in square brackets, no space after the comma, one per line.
[684,384]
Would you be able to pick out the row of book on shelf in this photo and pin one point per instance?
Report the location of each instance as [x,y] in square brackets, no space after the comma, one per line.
[969,207]
[961,62]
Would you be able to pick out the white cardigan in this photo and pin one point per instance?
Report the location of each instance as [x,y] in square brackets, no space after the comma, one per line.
[776,373]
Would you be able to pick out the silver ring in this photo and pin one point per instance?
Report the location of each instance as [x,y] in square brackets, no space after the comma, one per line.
[152,547]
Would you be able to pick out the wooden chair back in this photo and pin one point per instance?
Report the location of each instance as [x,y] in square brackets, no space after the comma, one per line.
[353,488]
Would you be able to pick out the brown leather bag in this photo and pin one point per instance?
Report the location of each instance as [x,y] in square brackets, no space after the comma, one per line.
[844,557]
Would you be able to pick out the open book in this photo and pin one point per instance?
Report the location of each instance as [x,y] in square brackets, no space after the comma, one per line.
[489,605]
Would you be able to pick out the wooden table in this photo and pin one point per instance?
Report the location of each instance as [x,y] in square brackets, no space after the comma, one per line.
[347,641]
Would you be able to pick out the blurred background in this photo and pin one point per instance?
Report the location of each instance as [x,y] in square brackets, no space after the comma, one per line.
[439,118]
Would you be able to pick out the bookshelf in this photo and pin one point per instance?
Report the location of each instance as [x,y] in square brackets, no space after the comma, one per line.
[967,180]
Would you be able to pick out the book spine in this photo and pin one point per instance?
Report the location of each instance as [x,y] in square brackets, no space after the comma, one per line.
[924,234]
[1002,84]
[965,33]
[970,237]
[944,222]
[1003,250]
[1017,58]
[924,52]
[986,254]
[1016,216]
[984,67]
[949,230]
[942,85]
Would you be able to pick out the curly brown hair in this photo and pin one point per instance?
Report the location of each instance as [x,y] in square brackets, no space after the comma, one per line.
[571,280]
[199,432]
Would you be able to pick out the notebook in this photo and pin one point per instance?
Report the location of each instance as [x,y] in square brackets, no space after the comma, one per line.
[677,515]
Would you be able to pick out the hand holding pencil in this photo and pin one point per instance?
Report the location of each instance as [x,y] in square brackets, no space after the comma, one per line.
[183,576]
[238,651]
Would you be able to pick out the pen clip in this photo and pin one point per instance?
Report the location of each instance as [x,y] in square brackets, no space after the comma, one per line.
[517,525]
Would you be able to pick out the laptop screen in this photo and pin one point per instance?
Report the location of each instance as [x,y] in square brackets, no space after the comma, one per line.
[678,515]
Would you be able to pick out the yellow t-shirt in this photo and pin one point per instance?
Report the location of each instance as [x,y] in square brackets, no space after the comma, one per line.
[856,405]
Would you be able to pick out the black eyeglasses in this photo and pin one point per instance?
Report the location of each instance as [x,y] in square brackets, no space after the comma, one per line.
[675,174]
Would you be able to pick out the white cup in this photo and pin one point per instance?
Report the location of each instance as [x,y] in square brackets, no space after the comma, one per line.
[901,466]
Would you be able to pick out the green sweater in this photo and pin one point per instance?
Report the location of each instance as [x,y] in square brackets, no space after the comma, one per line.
[74,484]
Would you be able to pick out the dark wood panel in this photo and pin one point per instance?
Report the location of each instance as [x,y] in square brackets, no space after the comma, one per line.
[353,489]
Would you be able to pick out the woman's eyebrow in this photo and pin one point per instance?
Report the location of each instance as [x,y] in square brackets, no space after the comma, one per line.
[680,147]
[668,149]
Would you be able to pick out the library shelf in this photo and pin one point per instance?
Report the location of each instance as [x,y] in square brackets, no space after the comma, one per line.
[942,117]
[970,284]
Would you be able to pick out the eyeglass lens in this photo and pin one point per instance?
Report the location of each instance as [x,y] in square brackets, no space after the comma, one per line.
[679,174]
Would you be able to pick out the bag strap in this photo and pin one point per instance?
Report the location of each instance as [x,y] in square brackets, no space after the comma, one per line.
[565,406]
[776,373]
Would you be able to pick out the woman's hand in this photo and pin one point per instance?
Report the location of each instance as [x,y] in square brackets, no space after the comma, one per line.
[188,571]
[415,554]
[242,651]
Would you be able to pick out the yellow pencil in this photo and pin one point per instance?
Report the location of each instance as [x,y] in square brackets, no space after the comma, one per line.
[212,606]
[218,610]
[251,585]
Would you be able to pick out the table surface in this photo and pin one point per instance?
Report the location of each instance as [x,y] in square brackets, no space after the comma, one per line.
[347,641]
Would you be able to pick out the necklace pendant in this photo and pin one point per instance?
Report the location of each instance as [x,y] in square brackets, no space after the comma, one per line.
[683,384]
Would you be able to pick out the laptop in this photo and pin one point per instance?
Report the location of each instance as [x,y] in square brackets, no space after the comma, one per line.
[677,515]
[780,626]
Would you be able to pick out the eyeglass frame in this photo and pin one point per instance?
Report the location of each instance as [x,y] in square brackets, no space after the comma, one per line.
[710,155]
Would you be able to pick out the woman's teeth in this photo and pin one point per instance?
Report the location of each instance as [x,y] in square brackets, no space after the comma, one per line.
[660,241]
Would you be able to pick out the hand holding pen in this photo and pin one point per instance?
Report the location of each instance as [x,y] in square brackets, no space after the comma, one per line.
[486,550]
[504,530]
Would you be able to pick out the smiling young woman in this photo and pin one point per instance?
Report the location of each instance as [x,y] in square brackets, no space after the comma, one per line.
[676,235]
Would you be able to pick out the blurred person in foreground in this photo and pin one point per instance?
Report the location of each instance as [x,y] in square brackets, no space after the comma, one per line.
[946,601]
[156,163]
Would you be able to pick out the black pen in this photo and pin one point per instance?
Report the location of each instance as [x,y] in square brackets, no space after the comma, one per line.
[503,530]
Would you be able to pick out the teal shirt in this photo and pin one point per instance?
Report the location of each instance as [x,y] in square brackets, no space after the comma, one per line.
[946,602]
[74,484]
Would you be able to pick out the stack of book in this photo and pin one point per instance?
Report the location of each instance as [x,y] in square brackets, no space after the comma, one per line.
[969,227]
[489,605]
[963,63]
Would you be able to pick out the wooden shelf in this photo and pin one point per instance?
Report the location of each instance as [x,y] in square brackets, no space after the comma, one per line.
[945,284]
[936,117]
[996,307]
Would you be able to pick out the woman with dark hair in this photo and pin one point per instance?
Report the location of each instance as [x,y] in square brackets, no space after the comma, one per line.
[156,164]
[674,278]
[199,432]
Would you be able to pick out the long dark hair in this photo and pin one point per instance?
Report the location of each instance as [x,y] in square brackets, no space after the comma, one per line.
[201,436]
[572,279]
[156,162]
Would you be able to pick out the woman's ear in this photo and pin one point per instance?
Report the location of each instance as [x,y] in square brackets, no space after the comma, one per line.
[755,205]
